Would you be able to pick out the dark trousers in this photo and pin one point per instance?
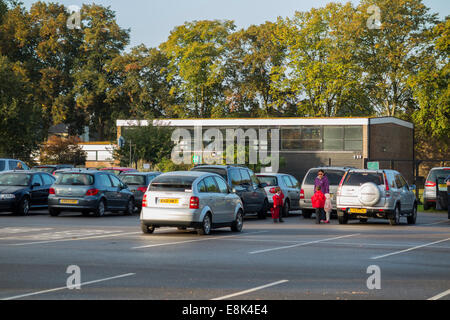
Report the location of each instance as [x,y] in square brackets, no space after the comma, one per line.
[320,214]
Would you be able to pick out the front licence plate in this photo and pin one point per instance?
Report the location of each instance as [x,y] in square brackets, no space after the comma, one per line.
[355,210]
[67,201]
[169,201]
[442,186]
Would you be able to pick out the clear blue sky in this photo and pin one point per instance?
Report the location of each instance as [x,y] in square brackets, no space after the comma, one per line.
[151,21]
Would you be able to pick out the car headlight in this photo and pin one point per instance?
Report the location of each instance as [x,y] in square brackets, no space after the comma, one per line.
[7,196]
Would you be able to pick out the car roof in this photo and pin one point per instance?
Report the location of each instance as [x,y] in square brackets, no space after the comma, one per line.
[137,173]
[189,173]
[272,174]
[332,168]
[440,168]
[118,168]
[220,166]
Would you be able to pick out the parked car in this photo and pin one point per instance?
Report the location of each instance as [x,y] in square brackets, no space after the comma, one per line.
[89,191]
[288,185]
[435,179]
[51,168]
[21,191]
[11,164]
[138,182]
[381,194]
[246,185]
[118,170]
[334,175]
[191,199]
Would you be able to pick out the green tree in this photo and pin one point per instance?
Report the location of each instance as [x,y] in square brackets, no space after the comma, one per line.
[196,52]
[58,150]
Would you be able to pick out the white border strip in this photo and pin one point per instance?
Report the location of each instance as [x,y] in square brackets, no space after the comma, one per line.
[251,290]
[302,244]
[410,249]
[441,295]
[63,288]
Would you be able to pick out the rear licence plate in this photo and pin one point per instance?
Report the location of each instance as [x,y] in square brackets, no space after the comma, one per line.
[355,210]
[67,201]
[169,201]
[442,186]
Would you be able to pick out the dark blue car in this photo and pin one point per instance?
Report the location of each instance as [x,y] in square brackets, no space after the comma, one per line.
[21,191]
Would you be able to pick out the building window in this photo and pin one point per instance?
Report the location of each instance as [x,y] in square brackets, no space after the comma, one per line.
[333,138]
[353,138]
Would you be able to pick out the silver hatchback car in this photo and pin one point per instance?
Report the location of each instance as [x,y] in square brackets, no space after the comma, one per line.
[382,194]
[191,199]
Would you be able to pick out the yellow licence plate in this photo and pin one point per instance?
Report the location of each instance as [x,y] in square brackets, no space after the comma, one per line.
[169,201]
[67,201]
[442,186]
[355,210]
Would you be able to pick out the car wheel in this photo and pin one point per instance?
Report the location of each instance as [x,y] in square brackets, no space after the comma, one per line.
[54,212]
[130,207]
[24,207]
[413,216]
[426,206]
[262,214]
[342,218]
[101,207]
[147,229]
[286,208]
[237,224]
[206,226]
[395,219]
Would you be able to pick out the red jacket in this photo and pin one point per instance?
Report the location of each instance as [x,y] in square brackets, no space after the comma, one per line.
[318,200]
[278,200]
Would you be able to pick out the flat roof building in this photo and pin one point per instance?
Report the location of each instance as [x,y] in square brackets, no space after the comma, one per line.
[310,142]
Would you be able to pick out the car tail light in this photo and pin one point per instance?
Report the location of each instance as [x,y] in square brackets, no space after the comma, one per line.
[142,189]
[272,190]
[51,191]
[386,185]
[302,194]
[338,193]
[92,192]
[144,201]
[430,184]
[194,203]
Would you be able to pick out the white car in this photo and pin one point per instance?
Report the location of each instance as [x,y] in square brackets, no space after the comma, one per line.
[191,199]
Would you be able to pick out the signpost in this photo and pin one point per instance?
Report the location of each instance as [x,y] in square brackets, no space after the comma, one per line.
[374,165]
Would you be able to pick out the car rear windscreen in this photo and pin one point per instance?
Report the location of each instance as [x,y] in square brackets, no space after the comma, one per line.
[270,180]
[334,176]
[75,179]
[172,183]
[359,178]
[14,179]
[133,180]
[438,174]
[221,172]
[44,169]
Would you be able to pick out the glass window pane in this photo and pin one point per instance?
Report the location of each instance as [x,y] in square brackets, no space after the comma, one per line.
[311,145]
[311,133]
[353,145]
[331,132]
[333,144]
[353,132]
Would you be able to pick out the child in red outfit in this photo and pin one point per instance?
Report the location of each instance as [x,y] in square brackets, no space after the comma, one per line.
[318,202]
[277,205]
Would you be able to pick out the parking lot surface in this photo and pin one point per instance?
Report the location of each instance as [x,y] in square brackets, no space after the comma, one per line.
[293,260]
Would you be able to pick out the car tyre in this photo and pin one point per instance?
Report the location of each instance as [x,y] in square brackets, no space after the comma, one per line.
[24,207]
[286,208]
[130,207]
[426,206]
[413,216]
[101,208]
[237,224]
[54,212]
[206,226]
[147,229]
[262,214]
[342,218]
[395,219]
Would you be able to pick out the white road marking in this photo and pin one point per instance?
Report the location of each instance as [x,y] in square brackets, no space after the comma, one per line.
[13,230]
[410,249]
[196,240]
[76,239]
[431,224]
[441,295]
[251,290]
[63,288]
[302,244]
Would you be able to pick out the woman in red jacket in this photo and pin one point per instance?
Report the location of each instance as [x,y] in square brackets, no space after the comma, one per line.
[318,202]
[277,205]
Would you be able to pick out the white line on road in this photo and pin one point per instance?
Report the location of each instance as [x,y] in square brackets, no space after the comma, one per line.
[62,288]
[250,290]
[197,240]
[410,249]
[302,244]
[76,239]
[441,295]
[431,224]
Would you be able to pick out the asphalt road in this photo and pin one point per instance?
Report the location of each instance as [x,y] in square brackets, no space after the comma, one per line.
[295,260]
